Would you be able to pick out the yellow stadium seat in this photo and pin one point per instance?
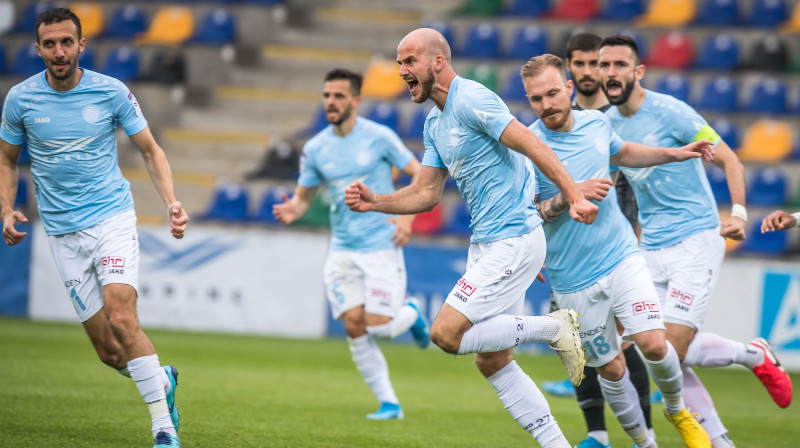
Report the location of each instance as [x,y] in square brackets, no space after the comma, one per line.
[92,19]
[381,80]
[668,13]
[793,24]
[766,141]
[172,25]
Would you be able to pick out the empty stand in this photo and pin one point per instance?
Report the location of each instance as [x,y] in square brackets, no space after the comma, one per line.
[217,27]
[27,18]
[727,130]
[766,141]
[482,41]
[530,8]
[719,184]
[172,25]
[229,203]
[6,16]
[484,74]
[767,187]
[26,61]
[718,12]
[386,114]
[791,26]
[459,221]
[416,123]
[770,243]
[671,50]
[719,94]
[514,89]
[767,13]
[428,223]
[720,52]
[2,62]
[87,58]
[93,20]
[122,63]
[482,7]
[126,22]
[622,9]
[528,41]
[668,13]
[768,96]
[381,80]
[575,9]
[770,53]
[674,85]
[445,28]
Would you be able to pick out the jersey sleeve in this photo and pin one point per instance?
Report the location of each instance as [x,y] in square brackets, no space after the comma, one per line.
[431,156]
[614,140]
[396,152]
[127,111]
[12,128]
[309,175]
[689,126]
[484,111]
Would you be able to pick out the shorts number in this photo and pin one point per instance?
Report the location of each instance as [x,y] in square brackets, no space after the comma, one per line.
[598,346]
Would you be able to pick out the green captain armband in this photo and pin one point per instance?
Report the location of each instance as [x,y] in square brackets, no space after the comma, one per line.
[707,133]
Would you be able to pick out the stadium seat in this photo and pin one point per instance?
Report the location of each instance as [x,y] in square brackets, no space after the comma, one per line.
[482,7]
[766,141]
[719,94]
[381,80]
[526,116]
[386,114]
[122,63]
[671,50]
[767,13]
[87,58]
[727,130]
[674,85]
[768,96]
[93,20]
[26,22]
[770,53]
[767,187]
[622,10]
[459,221]
[757,243]
[172,25]
[668,13]
[428,223]
[719,184]
[483,41]
[6,16]
[26,61]
[217,27]
[229,203]
[528,41]
[126,22]
[2,63]
[416,124]
[575,10]
[270,197]
[318,121]
[720,52]
[484,74]
[791,26]
[445,28]
[718,12]
[530,8]
[21,201]
[514,89]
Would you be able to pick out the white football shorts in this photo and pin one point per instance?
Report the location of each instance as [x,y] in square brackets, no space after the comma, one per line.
[89,259]
[626,293]
[375,279]
[685,275]
[498,274]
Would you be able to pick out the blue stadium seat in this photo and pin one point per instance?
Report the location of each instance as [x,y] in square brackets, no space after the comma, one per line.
[675,85]
[720,52]
[21,200]
[122,63]
[229,203]
[528,41]
[483,41]
[526,116]
[718,12]
[768,13]
[27,18]
[719,184]
[318,121]
[385,114]
[531,8]
[459,221]
[2,58]
[514,89]
[87,59]
[270,197]
[218,27]
[727,130]
[767,187]
[719,94]
[416,124]
[768,96]
[622,9]
[26,61]
[770,243]
[126,22]
[445,28]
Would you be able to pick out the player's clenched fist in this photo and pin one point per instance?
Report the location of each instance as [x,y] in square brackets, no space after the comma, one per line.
[359,198]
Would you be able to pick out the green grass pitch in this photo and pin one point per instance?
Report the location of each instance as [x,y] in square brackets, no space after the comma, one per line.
[245,391]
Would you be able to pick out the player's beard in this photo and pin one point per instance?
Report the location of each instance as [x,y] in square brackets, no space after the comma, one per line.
[343,116]
[587,91]
[73,64]
[554,125]
[425,87]
[622,98]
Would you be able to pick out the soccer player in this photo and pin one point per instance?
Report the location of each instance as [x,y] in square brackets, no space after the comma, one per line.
[597,270]
[582,55]
[779,220]
[471,134]
[365,273]
[68,116]
[682,239]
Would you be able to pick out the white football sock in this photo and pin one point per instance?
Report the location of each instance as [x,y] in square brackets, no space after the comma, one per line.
[667,375]
[526,404]
[698,400]
[711,350]
[623,399]
[124,372]
[722,442]
[150,378]
[371,363]
[404,319]
[600,436]
[506,331]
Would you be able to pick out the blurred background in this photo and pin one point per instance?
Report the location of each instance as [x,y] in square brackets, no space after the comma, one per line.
[232,90]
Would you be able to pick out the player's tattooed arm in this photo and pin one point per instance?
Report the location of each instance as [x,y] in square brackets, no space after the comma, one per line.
[550,209]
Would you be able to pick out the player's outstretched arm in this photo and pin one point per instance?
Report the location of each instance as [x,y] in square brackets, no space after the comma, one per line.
[421,196]
[636,155]
[727,161]
[161,174]
[290,210]
[592,189]
[9,176]
[778,220]
[521,139]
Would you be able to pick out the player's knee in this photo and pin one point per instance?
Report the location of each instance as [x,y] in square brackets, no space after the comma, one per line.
[444,340]
[123,323]
[654,350]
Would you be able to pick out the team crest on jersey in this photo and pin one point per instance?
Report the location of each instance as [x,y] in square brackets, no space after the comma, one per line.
[90,114]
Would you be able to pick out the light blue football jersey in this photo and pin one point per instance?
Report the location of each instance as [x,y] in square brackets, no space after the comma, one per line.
[579,255]
[675,200]
[493,179]
[366,154]
[72,142]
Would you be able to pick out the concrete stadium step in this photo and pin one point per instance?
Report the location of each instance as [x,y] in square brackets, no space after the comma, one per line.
[278,76]
[269,116]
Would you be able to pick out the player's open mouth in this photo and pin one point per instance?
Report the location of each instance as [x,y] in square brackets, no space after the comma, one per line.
[613,88]
[413,85]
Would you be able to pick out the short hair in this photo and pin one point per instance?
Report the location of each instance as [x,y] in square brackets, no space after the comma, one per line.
[583,42]
[342,73]
[537,64]
[57,15]
[621,40]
